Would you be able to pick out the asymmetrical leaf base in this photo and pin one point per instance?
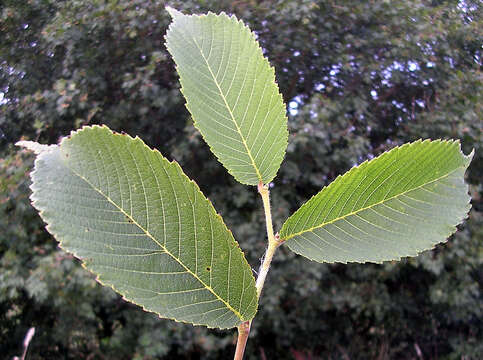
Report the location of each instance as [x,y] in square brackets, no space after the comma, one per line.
[145,229]
[403,202]
[231,93]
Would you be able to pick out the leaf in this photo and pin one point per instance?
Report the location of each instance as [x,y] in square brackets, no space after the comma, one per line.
[231,93]
[401,203]
[145,229]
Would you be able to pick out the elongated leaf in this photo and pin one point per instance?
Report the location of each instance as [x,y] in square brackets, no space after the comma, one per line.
[399,204]
[143,227]
[231,93]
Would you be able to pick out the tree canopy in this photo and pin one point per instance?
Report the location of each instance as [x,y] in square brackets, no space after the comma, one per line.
[359,78]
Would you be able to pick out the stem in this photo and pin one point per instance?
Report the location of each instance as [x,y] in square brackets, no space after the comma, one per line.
[273,243]
[243,332]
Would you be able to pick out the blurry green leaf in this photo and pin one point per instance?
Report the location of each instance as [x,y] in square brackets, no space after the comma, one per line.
[231,93]
[399,204]
[143,227]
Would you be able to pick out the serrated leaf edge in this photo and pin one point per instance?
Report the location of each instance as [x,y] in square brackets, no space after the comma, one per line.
[467,159]
[175,14]
[97,278]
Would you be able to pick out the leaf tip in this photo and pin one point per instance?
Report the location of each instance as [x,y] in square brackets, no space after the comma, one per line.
[34,146]
[173,12]
[468,157]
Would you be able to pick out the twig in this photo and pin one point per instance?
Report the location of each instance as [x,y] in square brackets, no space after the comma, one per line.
[26,342]
[243,332]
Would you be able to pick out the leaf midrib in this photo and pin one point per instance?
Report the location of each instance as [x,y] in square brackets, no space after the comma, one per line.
[367,207]
[207,287]
[230,111]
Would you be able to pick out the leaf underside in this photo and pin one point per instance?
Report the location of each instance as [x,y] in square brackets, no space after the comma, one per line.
[231,93]
[399,204]
[145,229]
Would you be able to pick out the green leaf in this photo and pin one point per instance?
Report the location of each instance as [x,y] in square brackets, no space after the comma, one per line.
[403,202]
[231,93]
[145,229]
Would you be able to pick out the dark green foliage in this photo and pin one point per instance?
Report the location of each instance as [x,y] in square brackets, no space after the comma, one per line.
[82,62]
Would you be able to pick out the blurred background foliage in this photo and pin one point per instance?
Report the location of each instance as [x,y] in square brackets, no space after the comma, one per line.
[359,77]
